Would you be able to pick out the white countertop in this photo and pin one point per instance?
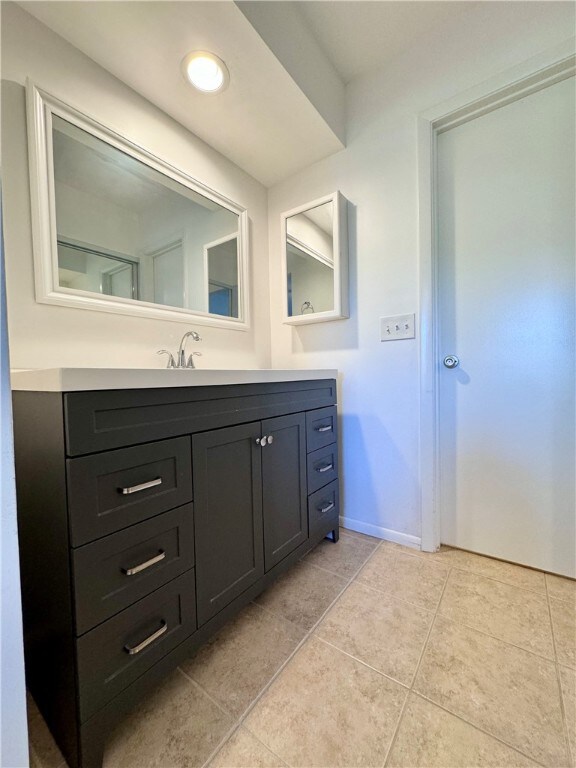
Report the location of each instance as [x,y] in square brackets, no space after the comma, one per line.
[78,379]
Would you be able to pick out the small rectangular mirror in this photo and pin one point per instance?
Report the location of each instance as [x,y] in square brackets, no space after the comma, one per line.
[119,230]
[315,261]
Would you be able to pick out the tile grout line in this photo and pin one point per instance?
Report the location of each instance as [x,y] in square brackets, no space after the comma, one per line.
[437,614]
[239,720]
[551,659]
[235,720]
[361,661]
[411,686]
[477,727]
[571,757]
[423,556]
[287,661]
[393,597]
[208,695]
[437,611]
[455,714]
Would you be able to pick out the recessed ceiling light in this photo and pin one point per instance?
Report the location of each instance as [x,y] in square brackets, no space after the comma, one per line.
[205,71]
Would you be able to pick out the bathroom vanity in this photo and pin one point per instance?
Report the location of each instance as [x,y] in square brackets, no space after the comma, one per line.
[153,505]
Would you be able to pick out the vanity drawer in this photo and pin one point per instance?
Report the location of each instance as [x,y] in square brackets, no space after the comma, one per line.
[323,508]
[117,652]
[110,491]
[112,573]
[322,467]
[321,428]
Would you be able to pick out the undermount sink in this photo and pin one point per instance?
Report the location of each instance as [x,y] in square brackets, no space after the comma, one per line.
[78,379]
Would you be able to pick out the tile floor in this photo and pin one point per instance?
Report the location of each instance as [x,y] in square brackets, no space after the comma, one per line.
[370,654]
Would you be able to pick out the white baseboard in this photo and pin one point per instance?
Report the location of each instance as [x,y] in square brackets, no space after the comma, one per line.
[381,533]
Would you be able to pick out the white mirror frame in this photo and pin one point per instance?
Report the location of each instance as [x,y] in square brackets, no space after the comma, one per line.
[340,245]
[40,108]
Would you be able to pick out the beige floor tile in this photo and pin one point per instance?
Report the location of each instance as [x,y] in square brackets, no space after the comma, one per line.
[561,588]
[44,752]
[406,577]
[243,750]
[568,684]
[504,690]
[386,633]
[302,594]
[564,627]
[391,545]
[430,737]
[510,613]
[343,558]
[326,709]
[242,658]
[176,726]
[358,535]
[509,573]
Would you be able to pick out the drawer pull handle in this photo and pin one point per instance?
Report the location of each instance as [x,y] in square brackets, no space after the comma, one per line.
[327,508]
[143,566]
[327,428]
[325,468]
[132,649]
[141,487]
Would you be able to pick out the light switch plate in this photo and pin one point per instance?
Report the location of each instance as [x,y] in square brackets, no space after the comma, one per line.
[397,327]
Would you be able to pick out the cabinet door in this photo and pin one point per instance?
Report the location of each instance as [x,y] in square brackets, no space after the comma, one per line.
[284,486]
[227,467]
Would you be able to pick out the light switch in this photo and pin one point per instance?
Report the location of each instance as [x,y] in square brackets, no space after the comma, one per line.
[397,327]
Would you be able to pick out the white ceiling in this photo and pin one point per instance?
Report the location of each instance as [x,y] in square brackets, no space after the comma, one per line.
[358,36]
[263,121]
[284,108]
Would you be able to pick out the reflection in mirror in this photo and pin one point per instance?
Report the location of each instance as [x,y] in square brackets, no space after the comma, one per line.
[316,261]
[83,268]
[221,258]
[126,230]
[310,261]
[116,229]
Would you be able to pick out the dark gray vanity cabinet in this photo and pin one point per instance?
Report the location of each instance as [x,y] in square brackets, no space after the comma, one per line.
[250,505]
[284,486]
[228,515]
[147,519]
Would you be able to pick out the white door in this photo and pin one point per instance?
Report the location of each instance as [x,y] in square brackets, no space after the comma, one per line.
[169,286]
[506,290]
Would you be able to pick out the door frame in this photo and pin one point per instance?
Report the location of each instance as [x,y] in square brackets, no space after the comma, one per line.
[533,75]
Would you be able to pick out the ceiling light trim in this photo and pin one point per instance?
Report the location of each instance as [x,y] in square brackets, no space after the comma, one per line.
[210,76]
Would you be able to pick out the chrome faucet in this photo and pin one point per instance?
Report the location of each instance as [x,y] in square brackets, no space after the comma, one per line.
[181,361]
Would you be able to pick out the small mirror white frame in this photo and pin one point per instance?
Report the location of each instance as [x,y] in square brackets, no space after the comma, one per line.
[41,107]
[339,262]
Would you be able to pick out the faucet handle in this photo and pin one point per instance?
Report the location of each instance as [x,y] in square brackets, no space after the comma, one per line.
[190,363]
[171,362]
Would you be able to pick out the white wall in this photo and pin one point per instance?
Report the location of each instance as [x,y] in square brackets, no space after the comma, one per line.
[50,336]
[377,173]
[90,219]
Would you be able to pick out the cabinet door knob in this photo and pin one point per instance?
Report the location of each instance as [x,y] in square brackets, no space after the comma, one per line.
[270,439]
[261,441]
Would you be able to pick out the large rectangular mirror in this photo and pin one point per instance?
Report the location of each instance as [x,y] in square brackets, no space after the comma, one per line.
[118,230]
[315,261]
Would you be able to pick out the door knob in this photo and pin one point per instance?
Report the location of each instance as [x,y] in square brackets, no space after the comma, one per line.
[451,361]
